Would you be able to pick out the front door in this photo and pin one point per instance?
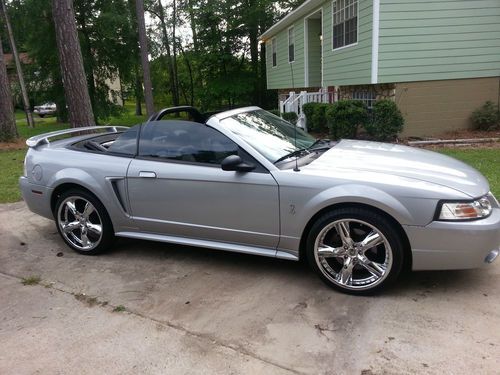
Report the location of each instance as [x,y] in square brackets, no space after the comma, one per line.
[176,187]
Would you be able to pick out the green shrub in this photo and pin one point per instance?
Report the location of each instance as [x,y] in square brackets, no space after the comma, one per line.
[315,115]
[318,121]
[345,117]
[308,110]
[386,121]
[275,112]
[291,117]
[487,117]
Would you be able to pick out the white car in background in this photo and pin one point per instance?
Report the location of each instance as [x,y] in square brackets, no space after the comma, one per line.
[46,109]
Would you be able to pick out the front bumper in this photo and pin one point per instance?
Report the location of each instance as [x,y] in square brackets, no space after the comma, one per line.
[37,197]
[454,245]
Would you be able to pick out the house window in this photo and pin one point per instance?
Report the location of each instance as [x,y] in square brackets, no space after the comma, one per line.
[273,47]
[345,23]
[368,97]
[291,45]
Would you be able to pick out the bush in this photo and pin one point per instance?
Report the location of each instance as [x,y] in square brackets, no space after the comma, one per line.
[487,117]
[345,117]
[291,117]
[275,112]
[316,119]
[314,122]
[386,122]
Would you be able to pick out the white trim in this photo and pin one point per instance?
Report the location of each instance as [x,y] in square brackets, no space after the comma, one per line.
[357,27]
[306,46]
[375,40]
[272,53]
[344,47]
[306,52]
[322,45]
[288,46]
[291,17]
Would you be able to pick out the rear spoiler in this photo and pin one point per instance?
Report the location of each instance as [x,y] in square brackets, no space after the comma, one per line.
[42,139]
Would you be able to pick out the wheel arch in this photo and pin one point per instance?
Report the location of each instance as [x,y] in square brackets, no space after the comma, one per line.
[65,186]
[407,265]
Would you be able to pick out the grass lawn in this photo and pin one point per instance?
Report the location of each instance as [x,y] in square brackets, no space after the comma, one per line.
[487,161]
[11,163]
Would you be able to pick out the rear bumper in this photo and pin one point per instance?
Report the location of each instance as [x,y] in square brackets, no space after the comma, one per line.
[37,197]
[454,245]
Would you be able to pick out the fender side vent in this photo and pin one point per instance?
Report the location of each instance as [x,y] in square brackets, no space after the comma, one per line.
[118,188]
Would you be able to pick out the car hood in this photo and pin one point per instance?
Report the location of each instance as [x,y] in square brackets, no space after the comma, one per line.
[403,161]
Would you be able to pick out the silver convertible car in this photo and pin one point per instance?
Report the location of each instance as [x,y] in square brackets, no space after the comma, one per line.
[247,181]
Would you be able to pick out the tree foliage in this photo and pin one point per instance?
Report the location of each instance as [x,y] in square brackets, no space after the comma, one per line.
[203,53]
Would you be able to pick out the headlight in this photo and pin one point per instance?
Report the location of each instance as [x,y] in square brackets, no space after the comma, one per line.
[471,210]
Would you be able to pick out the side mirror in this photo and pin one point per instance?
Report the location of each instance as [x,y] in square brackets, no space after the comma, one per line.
[235,163]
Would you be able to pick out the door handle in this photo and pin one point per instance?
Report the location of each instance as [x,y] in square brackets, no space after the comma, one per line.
[147,174]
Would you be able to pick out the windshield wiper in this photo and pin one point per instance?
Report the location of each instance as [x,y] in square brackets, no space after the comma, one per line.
[312,147]
[318,142]
[292,154]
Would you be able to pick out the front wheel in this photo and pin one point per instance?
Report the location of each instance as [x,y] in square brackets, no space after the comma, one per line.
[355,250]
[83,223]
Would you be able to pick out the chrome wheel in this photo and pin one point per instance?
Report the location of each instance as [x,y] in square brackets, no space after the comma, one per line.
[353,254]
[80,223]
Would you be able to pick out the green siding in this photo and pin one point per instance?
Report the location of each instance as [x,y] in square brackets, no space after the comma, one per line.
[314,52]
[350,65]
[438,39]
[280,76]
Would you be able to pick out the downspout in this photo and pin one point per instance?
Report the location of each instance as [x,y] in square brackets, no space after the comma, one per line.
[375,40]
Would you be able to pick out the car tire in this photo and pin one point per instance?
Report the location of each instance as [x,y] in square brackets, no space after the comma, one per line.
[355,250]
[83,222]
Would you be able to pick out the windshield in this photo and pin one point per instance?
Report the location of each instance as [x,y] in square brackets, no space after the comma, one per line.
[272,136]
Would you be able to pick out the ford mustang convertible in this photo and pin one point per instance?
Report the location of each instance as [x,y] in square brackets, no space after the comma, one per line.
[247,181]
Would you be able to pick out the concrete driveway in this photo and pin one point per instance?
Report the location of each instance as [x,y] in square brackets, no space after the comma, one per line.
[191,310]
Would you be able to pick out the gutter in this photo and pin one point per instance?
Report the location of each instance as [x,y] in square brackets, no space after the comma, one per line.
[290,18]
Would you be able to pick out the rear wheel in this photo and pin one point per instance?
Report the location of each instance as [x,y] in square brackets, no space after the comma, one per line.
[355,250]
[83,223]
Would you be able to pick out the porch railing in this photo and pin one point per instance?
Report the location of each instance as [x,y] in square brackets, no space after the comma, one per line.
[295,101]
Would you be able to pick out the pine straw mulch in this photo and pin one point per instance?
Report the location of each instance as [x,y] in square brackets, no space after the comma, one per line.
[19,144]
[463,134]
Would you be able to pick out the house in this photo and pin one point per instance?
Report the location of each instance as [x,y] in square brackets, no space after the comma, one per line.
[114,84]
[11,66]
[439,60]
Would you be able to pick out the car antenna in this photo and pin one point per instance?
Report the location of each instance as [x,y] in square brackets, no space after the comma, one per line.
[296,169]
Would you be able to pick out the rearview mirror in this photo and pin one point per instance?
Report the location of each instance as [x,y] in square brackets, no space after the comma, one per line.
[235,163]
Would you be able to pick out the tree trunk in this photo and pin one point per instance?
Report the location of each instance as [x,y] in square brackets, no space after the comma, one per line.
[143,42]
[262,74]
[20,75]
[192,21]
[174,45]
[88,62]
[174,89]
[138,92]
[254,61]
[8,129]
[72,71]
[191,80]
